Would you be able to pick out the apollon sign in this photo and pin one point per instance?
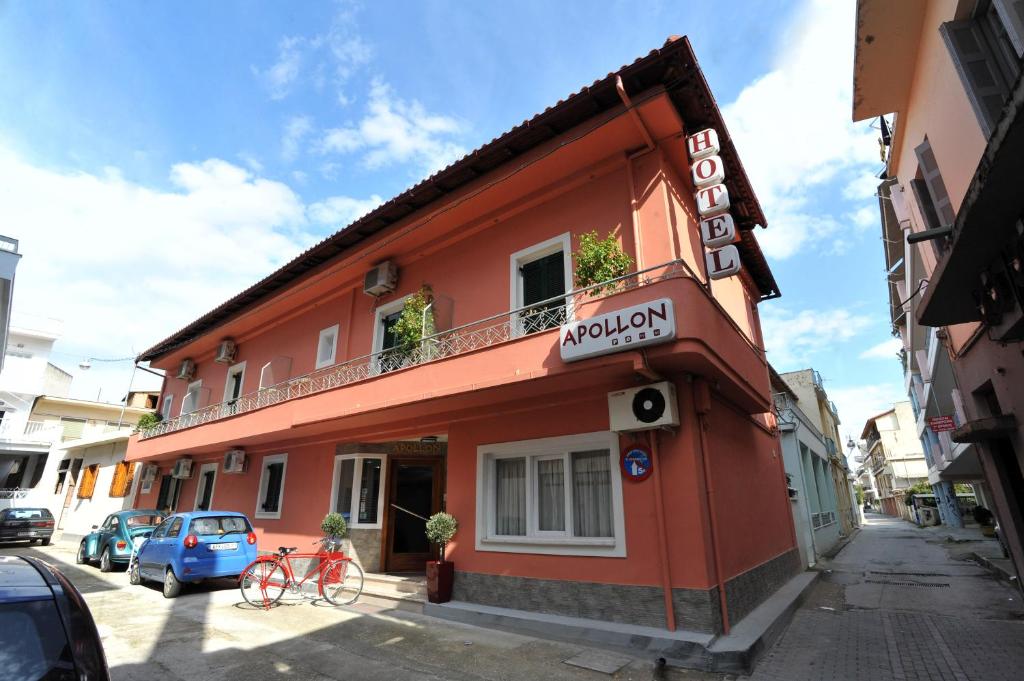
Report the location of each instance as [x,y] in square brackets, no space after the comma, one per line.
[628,328]
[716,226]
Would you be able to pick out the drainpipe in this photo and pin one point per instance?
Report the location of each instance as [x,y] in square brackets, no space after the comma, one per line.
[635,117]
[659,502]
[702,404]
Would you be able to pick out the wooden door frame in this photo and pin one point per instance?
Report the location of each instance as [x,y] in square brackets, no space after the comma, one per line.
[391,479]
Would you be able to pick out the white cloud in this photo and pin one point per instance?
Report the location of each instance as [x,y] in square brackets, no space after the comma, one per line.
[394,130]
[792,339]
[858,403]
[792,127]
[888,349]
[339,211]
[864,218]
[295,130]
[279,77]
[124,264]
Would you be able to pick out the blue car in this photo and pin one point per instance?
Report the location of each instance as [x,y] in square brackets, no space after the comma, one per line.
[111,542]
[191,547]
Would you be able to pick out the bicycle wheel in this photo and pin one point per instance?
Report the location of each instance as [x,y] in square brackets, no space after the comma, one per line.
[341,582]
[263,583]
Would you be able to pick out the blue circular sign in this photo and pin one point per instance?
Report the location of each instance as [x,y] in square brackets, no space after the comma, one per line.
[637,462]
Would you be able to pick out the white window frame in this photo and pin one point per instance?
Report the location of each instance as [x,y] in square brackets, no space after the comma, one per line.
[550,543]
[168,405]
[261,491]
[320,364]
[206,467]
[232,370]
[357,480]
[197,386]
[562,242]
[378,319]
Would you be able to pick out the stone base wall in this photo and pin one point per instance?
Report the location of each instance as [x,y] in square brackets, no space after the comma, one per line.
[746,591]
[364,547]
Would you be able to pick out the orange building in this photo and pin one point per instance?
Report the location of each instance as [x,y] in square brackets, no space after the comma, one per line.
[304,394]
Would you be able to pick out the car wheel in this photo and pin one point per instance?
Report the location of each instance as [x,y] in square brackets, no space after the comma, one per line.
[172,587]
[134,575]
[105,565]
[45,542]
[80,556]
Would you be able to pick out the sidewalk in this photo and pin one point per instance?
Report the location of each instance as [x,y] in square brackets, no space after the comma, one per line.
[901,602]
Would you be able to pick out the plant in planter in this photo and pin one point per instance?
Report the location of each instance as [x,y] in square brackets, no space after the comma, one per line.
[598,260]
[149,420]
[334,528]
[415,322]
[441,527]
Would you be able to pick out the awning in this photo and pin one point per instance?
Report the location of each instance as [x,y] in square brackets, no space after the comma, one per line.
[985,224]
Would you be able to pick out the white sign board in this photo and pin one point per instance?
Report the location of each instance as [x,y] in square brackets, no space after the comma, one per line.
[632,327]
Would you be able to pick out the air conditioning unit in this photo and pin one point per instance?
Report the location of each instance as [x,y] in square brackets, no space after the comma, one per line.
[182,469]
[381,279]
[234,461]
[644,408]
[226,351]
[187,369]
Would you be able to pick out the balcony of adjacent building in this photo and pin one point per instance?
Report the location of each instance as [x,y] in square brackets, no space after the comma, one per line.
[9,258]
[479,367]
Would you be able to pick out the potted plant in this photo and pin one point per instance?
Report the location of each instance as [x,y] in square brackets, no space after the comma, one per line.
[441,528]
[334,528]
[598,261]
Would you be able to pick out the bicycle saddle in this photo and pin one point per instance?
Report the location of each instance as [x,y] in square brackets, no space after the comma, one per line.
[285,550]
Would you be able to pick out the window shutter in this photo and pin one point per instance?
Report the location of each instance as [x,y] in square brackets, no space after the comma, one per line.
[933,180]
[977,69]
[554,275]
[88,486]
[72,428]
[1011,12]
[924,202]
[533,282]
[124,473]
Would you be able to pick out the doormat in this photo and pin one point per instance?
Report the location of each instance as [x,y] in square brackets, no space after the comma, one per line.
[599,661]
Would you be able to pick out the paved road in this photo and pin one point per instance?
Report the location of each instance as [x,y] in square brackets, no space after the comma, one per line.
[211,633]
[899,602]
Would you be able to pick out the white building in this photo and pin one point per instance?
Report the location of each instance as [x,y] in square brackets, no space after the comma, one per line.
[9,258]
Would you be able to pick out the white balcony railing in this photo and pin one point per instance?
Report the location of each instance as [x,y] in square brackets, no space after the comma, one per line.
[487,332]
[29,431]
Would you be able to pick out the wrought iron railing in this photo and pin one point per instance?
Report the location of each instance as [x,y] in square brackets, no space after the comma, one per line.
[482,333]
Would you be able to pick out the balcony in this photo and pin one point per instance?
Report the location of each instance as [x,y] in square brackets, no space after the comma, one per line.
[503,349]
[31,432]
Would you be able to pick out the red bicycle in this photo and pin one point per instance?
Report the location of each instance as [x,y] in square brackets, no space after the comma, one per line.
[339,579]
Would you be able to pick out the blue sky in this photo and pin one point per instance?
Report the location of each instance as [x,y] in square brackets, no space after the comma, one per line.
[155,158]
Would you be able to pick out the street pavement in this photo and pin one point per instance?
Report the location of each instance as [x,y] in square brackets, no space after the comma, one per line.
[209,632]
[901,602]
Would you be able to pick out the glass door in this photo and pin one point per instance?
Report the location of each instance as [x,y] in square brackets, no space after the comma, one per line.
[414,494]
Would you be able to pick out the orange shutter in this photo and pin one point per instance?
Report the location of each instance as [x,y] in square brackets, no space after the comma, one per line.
[124,472]
[88,485]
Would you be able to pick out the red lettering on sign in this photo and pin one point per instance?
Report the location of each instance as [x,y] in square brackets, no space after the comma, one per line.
[700,142]
[706,168]
[712,194]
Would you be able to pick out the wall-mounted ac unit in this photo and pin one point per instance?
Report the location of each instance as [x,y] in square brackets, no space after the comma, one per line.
[381,279]
[235,461]
[187,369]
[644,408]
[226,351]
[182,469]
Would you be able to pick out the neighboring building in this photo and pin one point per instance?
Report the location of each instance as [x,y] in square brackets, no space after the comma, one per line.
[809,388]
[143,399]
[894,457]
[950,72]
[304,395]
[809,469]
[9,258]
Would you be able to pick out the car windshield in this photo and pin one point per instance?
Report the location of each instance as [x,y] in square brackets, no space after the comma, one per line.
[219,525]
[143,520]
[32,642]
[27,513]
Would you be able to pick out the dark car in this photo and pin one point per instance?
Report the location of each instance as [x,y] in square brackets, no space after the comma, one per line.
[46,629]
[112,542]
[26,524]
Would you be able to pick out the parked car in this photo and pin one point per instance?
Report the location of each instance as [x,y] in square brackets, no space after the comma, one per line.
[191,547]
[46,629]
[111,542]
[26,524]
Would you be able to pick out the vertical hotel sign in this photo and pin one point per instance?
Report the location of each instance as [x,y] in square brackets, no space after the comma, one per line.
[717,229]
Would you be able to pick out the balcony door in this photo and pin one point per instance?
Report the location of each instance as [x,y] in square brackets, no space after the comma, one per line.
[414,494]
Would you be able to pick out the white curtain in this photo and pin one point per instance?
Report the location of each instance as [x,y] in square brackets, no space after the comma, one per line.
[550,495]
[510,500]
[592,494]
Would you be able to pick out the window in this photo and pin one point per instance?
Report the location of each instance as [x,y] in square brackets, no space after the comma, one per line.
[190,402]
[233,384]
[175,529]
[219,525]
[165,410]
[327,347]
[72,428]
[385,318]
[88,484]
[161,531]
[271,492]
[357,490]
[204,487]
[539,273]
[559,495]
[167,498]
[986,51]
[124,472]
